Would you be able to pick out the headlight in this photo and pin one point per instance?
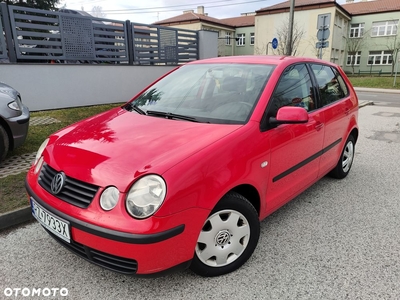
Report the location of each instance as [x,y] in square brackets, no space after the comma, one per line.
[40,151]
[146,196]
[38,165]
[109,198]
[14,106]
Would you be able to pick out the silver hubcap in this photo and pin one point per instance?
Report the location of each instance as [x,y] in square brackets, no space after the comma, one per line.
[347,158]
[223,238]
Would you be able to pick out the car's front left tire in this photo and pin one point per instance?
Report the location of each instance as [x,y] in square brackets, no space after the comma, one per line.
[228,237]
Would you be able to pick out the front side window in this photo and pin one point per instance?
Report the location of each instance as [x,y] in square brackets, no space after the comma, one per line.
[384,28]
[357,30]
[331,85]
[293,89]
[240,39]
[380,58]
[354,59]
[209,93]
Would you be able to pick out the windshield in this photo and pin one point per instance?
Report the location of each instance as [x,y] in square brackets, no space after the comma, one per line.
[210,93]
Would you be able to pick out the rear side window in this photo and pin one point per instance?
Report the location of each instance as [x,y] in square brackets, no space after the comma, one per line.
[331,85]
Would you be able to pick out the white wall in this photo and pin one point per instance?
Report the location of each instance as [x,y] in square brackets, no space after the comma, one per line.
[208,44]
[47,86]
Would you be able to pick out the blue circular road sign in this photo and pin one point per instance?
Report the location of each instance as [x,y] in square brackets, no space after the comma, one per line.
[274,43]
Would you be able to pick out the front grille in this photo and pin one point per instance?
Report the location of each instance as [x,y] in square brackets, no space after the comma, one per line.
[74,191]
[105,260]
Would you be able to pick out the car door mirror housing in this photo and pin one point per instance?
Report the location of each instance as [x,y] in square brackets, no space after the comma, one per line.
[290,115]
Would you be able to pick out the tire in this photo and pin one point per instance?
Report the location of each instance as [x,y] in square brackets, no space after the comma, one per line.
[228,237]
[4,143]
[346,159]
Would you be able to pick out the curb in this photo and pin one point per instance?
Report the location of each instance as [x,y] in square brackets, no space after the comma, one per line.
[365,103]
[15,217]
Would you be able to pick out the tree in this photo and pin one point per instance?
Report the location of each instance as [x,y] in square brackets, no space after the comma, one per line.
[282,34]
[393,46]
[354,45]
[41,4]
[97,11]
[313,43]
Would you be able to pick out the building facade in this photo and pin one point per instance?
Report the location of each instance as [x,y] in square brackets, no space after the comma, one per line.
[310,16]
[235,35]
[373,40]
[242,41]
[360,36]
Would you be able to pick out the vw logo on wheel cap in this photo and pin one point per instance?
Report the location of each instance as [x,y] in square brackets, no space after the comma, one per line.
[57,183]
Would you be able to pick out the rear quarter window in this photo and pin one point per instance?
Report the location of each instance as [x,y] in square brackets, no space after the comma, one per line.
[331,84]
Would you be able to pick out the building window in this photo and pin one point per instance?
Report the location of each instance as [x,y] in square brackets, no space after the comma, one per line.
[357,30]
[354,59]
[380,58]
[384,28]
[252,38]
[227,38]
[240,40]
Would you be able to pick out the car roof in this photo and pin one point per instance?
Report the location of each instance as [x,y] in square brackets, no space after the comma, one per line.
[261,59]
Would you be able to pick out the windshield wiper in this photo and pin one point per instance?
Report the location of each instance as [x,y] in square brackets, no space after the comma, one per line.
[169,115]
[131,106]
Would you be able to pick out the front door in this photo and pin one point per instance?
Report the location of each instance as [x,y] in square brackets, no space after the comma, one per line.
[295,148]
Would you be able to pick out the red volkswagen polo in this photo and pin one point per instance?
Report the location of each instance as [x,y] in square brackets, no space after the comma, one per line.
[183,174]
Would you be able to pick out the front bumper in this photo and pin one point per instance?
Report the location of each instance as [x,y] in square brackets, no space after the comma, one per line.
[19,127]
[132,253]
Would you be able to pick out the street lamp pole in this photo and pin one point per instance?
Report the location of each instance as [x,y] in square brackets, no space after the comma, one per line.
[290,33]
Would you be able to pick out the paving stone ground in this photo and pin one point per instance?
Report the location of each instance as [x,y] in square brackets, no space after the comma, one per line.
[34,121]
[17,164]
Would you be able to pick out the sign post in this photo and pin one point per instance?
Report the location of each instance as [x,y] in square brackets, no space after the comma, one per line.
[323,32]
[274,44]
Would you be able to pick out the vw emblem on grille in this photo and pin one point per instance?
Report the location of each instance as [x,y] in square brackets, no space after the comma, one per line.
[57,183]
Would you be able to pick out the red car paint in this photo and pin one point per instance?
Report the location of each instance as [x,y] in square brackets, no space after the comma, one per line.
[200,163]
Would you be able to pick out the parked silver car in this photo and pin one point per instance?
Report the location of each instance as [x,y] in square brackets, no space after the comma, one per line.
[14,120]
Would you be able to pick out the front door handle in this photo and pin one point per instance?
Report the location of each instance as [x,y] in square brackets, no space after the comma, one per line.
[319,126]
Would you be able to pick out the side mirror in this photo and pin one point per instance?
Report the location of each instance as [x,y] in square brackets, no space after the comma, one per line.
[290,115]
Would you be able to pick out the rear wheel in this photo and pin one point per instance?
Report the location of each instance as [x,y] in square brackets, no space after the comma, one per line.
[4,143]
[228,237]
[346,159]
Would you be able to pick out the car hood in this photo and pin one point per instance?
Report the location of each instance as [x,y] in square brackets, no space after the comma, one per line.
[118,146]
[7,92]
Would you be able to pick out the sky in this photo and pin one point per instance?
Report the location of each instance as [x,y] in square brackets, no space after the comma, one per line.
[151,11]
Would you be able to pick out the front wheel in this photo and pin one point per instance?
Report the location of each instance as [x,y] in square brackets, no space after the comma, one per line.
[346,159]
[228,238]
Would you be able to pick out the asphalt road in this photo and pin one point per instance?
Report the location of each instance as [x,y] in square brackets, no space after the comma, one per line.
[338,240]
[381,99]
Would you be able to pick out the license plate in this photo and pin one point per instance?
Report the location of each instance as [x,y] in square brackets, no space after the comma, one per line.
[51,222]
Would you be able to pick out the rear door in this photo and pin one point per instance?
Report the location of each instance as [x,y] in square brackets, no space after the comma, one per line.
[335,105]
